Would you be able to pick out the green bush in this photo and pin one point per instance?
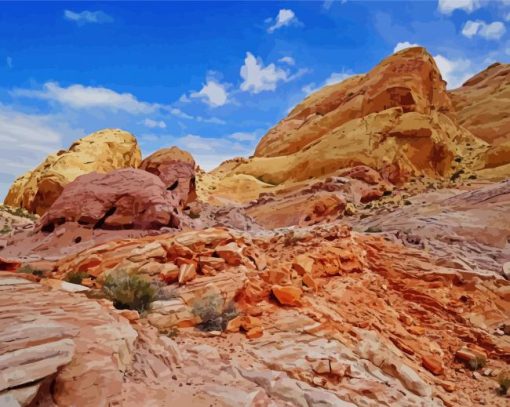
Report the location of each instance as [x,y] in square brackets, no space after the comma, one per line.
[504,382]
[477,363]
[27,269]
[128,291]
[373,229]
[76,277]
[212,313]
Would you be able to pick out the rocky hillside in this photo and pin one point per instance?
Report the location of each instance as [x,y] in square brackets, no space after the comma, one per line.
[361,257]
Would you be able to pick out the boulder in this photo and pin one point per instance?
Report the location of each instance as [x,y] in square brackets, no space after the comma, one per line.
[121,199]
[101,152]
[176,168]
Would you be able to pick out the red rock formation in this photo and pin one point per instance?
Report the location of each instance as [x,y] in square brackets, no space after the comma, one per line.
[122,199]
[176,168]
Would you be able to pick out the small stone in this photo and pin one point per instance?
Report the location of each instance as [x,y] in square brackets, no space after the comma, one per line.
[319,381]
[231,253]
[432,364]
[287,295]
[130,315]
[187,272]
[321,366]
[255,332]
[487,372]
[303,264]
[477,376]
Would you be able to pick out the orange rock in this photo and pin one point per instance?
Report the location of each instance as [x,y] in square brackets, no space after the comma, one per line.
[432,364]
[234,325]
[255,332]
[310,282]
[216,263]
[303,264]
[169,273]
[177,250]
[187,272]
[130,315]
[231,253]
[287,295]
[279,276]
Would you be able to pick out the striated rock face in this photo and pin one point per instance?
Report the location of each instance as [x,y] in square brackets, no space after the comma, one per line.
[408,79]
[176,168]
[52,339]
[396,143]
[481,104]
[101,151]
[482,108]
[361,319]
[121,199]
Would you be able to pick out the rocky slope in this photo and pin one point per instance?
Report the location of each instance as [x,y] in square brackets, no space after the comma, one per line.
[360,258]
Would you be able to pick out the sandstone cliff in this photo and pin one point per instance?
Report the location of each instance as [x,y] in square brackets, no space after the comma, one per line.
[102,151]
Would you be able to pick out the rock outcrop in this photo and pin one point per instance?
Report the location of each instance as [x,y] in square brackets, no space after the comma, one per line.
[121,199]
[481,104]
[408,79]
[102,151]
[176,168]
[397,119]
[482,108]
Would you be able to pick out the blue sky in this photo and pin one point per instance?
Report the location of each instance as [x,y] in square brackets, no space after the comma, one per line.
[209,77]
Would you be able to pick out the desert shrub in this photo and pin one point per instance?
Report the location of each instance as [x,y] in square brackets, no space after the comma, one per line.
[128,291]
[172,332]
[163,292]
[373,229]
[76,277]
[477,363]
[504,382]
[27,269]
[212,313]
[456,175]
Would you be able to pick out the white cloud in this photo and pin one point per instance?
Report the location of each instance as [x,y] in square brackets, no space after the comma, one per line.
[84,97]
[448,6]
[258,78]
[337,77]
[288,60]
[489,31]
[8,61]
[454,71]
[209,152]
[284,18]
[179,113]
[27,139]
[182,115]
[243,136]
[328,3]
[85,17]
[403,45]
[333,78]
[154,124]
[213,93]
